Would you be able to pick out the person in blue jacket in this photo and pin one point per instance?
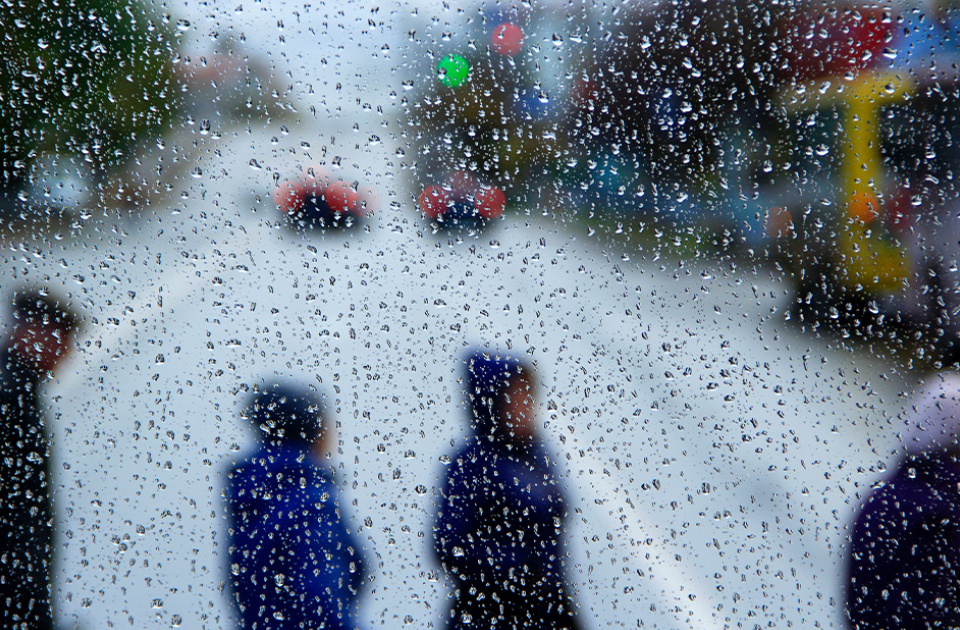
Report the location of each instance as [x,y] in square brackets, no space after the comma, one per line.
[293,562]
[501,515]
[904,563]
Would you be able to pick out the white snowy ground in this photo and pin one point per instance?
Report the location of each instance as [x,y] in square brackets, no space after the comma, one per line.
[714,455]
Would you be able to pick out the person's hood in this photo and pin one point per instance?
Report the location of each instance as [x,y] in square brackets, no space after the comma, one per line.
[488,377]
[933,418]
[286,413]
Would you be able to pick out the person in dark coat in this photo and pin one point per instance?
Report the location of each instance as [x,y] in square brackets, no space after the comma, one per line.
[40,338]
[293,562]
[904,563]
[501,515]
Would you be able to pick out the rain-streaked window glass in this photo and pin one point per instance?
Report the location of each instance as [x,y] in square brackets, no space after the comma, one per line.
[520,315]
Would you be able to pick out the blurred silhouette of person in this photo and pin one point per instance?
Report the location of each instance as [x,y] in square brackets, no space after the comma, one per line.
[904,565]
[293,562]
[40,338]
[933,298]
[501,515]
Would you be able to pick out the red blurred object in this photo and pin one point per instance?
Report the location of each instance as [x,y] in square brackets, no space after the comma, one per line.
[434,201]
[901,209]
[507,39]
[462,185]
[342,198]
[289,197]
[369,201]
[585,92]
[827,44]
[317,178]
[490,202]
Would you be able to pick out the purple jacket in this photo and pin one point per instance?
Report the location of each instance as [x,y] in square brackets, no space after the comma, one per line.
[904,563]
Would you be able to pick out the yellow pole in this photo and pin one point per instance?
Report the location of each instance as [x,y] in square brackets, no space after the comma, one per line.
[867,260]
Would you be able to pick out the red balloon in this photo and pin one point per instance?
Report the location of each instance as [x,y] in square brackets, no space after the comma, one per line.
[491,202]
[836,43]
[289,197]
[342,198]
[462,184]
[317,177]
[507,39]
[434,201]
[369,201]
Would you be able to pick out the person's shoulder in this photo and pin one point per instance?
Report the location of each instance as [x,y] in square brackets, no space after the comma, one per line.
[239,468]
[468,460]
[543,452]
[245,473]
[906,496]
[251,463]
[265,464]
[470,451]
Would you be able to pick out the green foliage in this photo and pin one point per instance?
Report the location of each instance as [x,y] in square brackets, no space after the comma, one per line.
[82,76]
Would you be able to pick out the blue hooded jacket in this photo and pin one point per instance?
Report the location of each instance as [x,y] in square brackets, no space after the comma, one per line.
[293,563]
[500,520]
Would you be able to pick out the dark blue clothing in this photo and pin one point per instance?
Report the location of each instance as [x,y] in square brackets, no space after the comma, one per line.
[293,563]
[26,516]
[498,535]
[904,569]
[500,520]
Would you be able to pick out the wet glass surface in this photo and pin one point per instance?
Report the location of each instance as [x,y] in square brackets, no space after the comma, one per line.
[721,241]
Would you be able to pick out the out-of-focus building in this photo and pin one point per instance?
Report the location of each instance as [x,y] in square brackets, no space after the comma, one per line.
[816,133]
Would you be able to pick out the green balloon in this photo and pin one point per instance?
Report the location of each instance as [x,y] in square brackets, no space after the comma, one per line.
[453,71]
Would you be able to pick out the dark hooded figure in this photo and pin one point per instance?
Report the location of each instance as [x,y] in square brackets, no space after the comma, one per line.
[501,515]
[904,567]
[39,340]
[293,562]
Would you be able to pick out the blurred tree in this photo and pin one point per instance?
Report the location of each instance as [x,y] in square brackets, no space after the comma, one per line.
[486,127]
[91,77]
[502,125]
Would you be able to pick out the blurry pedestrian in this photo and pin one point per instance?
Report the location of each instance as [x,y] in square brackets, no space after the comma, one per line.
[293,562]
[501,515]
[904,568]
[39,340]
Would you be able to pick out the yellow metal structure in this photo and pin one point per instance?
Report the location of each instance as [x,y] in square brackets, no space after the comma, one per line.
[867,257]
